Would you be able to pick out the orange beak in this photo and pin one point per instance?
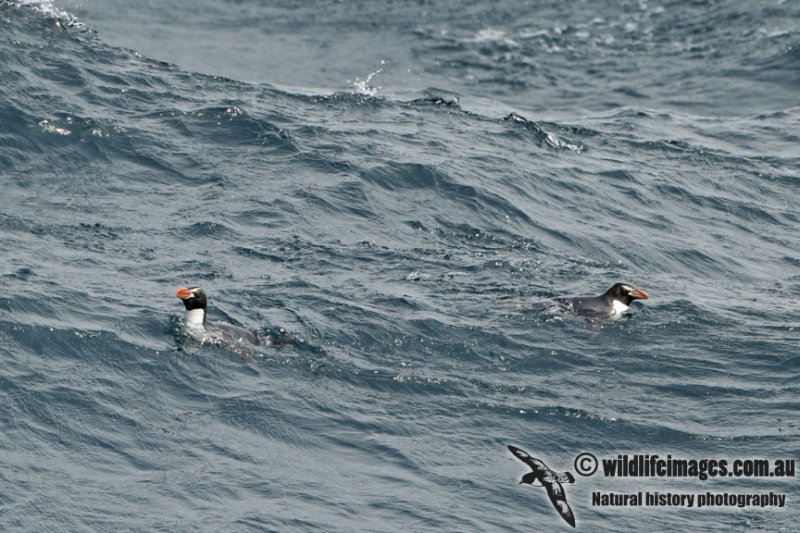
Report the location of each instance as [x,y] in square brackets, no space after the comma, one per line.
[639,294]
[184,293]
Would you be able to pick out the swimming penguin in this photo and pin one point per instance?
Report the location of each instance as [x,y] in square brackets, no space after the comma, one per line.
[199,326]
[609,305]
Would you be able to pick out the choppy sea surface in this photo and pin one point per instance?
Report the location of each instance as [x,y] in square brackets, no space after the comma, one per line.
[398,184]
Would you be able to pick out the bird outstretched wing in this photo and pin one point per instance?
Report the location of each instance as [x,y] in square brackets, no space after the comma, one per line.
[536,464]
[559,499]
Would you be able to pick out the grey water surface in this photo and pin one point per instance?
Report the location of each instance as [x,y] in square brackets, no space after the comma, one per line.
[378,178]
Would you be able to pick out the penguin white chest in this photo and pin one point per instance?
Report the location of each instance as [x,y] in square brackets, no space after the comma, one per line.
[194,318]
[618,309]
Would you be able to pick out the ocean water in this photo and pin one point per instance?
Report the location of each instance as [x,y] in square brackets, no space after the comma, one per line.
[398,184]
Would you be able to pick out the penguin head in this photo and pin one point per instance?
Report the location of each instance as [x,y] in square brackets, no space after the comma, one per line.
[624,293]
[193,298]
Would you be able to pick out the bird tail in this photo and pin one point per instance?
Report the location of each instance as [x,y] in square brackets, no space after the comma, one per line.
[566,477]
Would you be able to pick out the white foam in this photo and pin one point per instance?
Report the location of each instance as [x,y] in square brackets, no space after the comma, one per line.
[363,87]
[46,8]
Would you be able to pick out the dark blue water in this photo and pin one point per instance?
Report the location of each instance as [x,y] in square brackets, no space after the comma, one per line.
[374,177]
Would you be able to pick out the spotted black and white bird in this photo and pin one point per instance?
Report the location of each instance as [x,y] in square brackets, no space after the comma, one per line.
[548,479]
